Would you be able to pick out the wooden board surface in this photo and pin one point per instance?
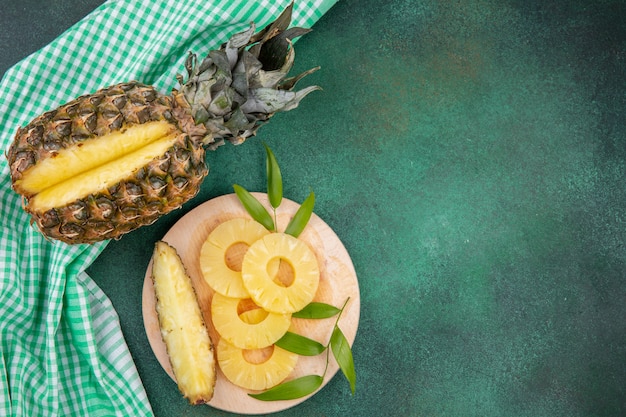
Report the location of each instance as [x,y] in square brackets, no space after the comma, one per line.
[338,282]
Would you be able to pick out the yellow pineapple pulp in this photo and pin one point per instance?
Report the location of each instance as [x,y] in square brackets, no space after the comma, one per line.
[186,338]
[296,282]
[257,369]
[70,162]
[101,177]
[222,254]
[256,329]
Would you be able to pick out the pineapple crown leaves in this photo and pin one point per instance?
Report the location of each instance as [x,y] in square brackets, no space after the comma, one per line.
[237,88]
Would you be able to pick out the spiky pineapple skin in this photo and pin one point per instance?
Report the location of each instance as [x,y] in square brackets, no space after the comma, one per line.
[158,188]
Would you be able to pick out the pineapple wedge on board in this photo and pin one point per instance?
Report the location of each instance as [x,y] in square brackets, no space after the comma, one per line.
[109,162]
[186,337]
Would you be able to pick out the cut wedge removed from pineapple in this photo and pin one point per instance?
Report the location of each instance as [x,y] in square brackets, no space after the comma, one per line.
[257,369]
[222,254]
[182,327]
[280,273]
[244,325]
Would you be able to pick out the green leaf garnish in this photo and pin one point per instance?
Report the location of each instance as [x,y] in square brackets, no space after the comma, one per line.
[290,341]
[290,390]
[254,207]
[317,310]
[342,353]
[302,216]
[274,179]
[302,345]
[299,344]
[275,196]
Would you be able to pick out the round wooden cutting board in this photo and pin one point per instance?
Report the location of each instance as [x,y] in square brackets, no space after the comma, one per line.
[338,283]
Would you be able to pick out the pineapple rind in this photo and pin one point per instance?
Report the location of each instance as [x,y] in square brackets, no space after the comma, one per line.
[155,188]
[186,338]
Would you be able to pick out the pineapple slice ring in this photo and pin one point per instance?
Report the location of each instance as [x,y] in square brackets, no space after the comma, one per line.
[257,369]
[223,251]
[250,329]
[269,291]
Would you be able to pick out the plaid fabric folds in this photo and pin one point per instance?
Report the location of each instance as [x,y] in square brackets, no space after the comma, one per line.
[62,351]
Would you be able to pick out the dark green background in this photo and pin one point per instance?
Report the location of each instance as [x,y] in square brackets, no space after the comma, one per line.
[471,155]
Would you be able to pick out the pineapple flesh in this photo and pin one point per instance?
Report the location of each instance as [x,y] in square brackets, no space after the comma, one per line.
[222,254]
[186,338]
[256,369]
[107,163]
[245,325]
[281,273]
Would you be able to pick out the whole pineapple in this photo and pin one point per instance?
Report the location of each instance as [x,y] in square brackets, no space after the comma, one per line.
[107,163]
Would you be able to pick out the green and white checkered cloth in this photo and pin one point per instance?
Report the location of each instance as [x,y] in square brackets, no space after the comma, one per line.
[62,351]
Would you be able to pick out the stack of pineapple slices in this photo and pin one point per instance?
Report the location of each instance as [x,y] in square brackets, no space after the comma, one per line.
[259,278]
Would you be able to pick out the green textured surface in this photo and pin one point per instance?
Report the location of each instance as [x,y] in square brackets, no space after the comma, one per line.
[471,156]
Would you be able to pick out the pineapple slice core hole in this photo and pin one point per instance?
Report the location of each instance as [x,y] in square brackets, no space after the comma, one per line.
[257,356]
[250,313]
[281,271]
[233,257]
